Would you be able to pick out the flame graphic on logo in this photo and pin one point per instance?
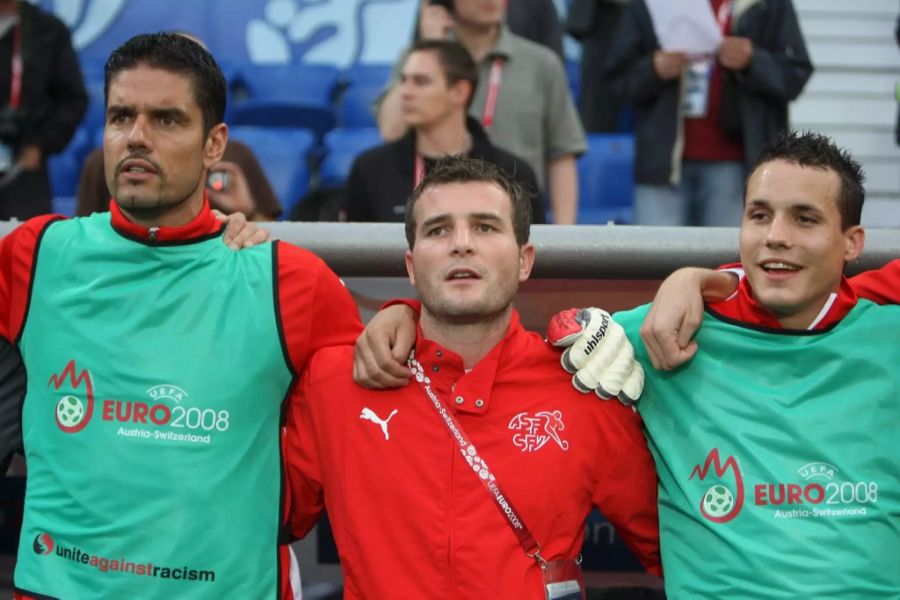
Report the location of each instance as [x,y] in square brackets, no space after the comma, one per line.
[43,543]
[57,382]
[712,459]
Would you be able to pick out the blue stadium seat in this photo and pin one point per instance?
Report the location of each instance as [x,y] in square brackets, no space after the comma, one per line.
[65,169]
[92,70]
[95,116]
[355,106]
[606,179]
[314,85]
[573,73]
[342,145]
[281,113]
[368,73]
[283,154]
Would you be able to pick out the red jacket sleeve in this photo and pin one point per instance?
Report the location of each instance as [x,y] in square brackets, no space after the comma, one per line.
[626,488]
[315,307]
[18,252]
[881,286]
[302,465]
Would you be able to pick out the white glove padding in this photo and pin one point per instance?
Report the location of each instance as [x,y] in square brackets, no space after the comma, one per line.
[598,353]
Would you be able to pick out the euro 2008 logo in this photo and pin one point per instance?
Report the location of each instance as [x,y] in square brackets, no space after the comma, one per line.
[719,504]
[74,409]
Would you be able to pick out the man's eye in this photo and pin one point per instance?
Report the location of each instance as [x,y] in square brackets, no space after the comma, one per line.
[118,119]
[435,231]
[486,228]
[807,220]
[758,216]
[167,121]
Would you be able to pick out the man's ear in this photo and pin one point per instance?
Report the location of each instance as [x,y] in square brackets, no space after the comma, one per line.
[461,91]
[526,261]
[214,148]
[409,269]
[854,240]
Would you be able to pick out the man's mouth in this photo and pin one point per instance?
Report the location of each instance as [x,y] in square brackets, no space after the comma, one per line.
[779,267]
[134,166]
[462,274]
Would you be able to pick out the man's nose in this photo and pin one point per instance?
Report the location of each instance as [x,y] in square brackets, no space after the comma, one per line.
[778,233]
[462,242]
[137,136]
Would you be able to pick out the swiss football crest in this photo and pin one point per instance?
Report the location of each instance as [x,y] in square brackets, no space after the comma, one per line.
[534,431]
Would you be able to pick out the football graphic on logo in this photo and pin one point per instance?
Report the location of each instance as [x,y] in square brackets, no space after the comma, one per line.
[717,501]
[69,411]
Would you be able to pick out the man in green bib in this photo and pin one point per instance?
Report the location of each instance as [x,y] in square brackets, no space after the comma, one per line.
[158,360]
[776,445]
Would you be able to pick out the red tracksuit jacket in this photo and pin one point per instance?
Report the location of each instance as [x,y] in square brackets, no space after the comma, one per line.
[412,520]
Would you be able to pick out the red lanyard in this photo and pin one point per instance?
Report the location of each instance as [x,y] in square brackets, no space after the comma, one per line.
[479,466]
[418,170]
[723,15]
[490,104]
[15,86]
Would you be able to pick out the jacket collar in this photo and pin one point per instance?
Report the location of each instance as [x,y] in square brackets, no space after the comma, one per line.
[201,227]
[743,307]
[504,46]
[467,391]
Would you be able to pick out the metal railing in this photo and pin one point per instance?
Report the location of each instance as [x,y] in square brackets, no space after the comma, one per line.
[564,252]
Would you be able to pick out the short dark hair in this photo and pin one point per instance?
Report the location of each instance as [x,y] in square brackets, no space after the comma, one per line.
[810,149]
[175,53]
[460,169]
[456,62]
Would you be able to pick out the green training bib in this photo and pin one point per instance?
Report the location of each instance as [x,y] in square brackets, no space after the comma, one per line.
[778,459]
[152,419]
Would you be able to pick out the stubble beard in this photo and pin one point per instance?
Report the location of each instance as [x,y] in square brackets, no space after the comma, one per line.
[154,210]
[489,308]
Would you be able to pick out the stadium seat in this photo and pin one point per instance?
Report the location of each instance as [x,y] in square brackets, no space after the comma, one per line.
[65,169]
[368,73]
[283,113]
[313,85]
[92,70]
[283,153]
[342,146]
[355,105]
[573,73]
[606,179]
[95,116]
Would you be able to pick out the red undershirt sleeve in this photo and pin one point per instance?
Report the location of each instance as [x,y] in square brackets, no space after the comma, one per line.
[302,465]
[315,308]
[18,252]
[626,488]
[881,286]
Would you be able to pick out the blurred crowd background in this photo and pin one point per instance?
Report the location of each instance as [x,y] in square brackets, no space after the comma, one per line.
[310,84]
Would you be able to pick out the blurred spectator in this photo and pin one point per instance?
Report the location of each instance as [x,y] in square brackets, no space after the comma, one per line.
[535,20]
[436,85]
[522,98]
[245,189]
[691,157]
[593,23]
[45,99]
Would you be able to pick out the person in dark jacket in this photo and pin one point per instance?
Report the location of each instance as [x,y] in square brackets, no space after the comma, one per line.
[699,125]
[43,99]
[593,23]
[436,85]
